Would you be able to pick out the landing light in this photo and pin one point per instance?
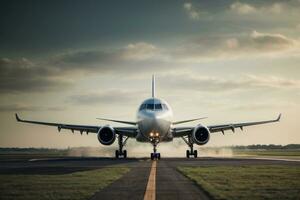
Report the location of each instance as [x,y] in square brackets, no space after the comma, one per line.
[156,134]
[151,134]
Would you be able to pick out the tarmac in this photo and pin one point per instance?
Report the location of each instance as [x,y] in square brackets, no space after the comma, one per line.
[169,183]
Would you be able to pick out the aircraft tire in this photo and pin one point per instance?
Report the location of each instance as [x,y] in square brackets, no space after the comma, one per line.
[195,153]
[187,153]
[125,153]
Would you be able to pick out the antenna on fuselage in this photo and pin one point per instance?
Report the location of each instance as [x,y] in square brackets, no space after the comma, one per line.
[153,86]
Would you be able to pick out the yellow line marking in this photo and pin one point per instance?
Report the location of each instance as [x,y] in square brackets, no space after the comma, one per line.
[150,190]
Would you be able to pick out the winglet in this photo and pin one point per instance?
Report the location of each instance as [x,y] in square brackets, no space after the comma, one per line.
[17,117]
[278,118]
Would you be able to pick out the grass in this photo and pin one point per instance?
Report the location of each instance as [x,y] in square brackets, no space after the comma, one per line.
[279,153]
[75,186]
[247,182]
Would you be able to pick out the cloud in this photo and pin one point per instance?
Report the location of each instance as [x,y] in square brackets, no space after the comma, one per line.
[246,9]
[213,84]
[264,106]
[131,57]
[105,97]
[262,42]
[24,107]
[192,12]
[139,51]
[24,75]
[270,41]
[242,8]
[255,43]
[59,71]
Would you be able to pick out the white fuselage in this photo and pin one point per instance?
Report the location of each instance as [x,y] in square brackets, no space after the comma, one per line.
[154,120]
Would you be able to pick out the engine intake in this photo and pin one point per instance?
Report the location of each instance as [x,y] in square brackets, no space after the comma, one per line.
[106,135]
[200,135]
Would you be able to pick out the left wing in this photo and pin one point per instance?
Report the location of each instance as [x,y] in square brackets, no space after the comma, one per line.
[126,131]
[183,131]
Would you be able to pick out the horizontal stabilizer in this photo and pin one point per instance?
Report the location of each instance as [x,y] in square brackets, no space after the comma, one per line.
[189,120]
[118,121]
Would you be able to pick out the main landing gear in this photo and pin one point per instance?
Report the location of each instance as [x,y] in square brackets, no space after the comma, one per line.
[155,155]
[121,143]
[190,152]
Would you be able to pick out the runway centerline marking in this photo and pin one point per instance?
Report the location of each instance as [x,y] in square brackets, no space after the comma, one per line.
[151,185]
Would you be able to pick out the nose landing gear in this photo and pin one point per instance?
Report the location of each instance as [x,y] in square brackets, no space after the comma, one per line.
[155,155]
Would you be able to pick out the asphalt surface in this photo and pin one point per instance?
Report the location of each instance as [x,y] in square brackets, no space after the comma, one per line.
[170,184]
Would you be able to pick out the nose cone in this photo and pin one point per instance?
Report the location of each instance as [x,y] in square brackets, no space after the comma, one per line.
[152,120]
[154,124]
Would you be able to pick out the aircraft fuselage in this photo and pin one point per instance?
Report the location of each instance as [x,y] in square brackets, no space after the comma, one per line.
[154,120]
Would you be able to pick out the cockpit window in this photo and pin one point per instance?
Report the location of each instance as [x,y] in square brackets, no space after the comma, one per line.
[158,107]
[150,106]
[165,106]
[143,107]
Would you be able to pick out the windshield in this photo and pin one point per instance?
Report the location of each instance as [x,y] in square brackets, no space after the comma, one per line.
[158,107]
[151,106]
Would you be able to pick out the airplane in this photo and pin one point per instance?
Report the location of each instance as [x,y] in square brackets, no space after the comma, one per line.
[153,125]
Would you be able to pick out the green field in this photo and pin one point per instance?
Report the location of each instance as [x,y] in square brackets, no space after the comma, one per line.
[247,182]
[276,153]
[78,185]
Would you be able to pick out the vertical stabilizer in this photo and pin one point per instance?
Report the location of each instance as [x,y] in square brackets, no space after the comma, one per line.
[153,86]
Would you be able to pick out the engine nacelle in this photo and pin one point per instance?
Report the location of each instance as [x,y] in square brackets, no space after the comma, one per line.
[200,135]
[106,135]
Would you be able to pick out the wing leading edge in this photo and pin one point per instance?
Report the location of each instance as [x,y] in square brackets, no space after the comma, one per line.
[126,131]
[224,127]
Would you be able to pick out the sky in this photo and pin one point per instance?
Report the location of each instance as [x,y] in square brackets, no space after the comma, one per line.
[74,61]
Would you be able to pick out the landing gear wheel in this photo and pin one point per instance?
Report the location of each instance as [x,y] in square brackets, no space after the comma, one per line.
[158,156]
[152,156]
[117,154]
[195,153]
[125,154]
[187,153]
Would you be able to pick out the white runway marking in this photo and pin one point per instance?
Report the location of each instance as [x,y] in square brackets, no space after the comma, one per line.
[151,185]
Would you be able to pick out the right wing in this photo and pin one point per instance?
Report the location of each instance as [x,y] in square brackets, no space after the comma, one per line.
[126,131]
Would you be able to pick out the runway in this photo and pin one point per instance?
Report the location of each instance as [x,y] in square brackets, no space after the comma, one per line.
[169,183]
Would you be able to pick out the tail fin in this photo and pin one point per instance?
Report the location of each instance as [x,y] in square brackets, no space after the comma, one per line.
[153,86]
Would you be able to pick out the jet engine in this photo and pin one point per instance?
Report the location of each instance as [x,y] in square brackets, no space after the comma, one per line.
[106,135]
[200,135]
